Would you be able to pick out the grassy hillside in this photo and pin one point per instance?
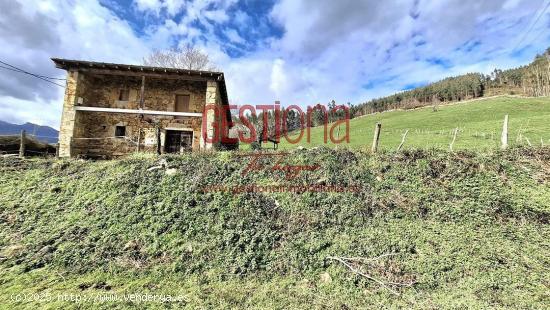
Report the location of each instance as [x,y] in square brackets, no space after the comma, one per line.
[479,123]
[469,230]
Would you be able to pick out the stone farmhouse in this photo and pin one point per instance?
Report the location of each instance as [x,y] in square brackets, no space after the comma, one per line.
[113,109]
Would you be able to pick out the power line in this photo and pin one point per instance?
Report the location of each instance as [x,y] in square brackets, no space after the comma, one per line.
[529,27]
[8,68]
[538,35]
[38,75]
[533,24]
[31,74]
[16,69]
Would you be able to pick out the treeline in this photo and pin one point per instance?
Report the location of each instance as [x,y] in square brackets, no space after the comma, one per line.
[450,89]
[530,80]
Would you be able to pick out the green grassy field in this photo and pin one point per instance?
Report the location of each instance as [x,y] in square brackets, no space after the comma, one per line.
[479,123]
[467,229]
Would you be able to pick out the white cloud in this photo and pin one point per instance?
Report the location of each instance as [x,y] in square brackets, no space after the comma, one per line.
[174,6]
[21,111]
[149,5]
[218,16]
[241,18]
[342,45]
[278,78]
[234,36]
[511,4]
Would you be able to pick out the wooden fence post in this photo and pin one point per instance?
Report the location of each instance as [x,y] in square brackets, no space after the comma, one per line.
[402,140]
[22,144]
[376,137]
[454,138]
[158,140]
[504,136]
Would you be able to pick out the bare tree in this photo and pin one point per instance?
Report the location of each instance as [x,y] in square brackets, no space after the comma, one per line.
[190,58]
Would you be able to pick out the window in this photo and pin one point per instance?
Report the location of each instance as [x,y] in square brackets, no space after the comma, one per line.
[124,95]
[182,103]
[120,131]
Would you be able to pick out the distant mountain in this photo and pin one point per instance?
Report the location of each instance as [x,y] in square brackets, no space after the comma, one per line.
[42,133]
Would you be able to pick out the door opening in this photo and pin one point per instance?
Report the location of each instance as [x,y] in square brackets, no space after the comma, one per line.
[178,141]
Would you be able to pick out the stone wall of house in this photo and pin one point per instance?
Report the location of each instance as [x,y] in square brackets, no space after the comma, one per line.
[75,87]
[96,136]
[160,94]
[93,133]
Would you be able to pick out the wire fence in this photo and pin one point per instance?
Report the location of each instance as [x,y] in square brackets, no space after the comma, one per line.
[395,136]
[24,144]
[41,136]
[116,138]
[31,135]
[10,144]
[460,137]
[463,138]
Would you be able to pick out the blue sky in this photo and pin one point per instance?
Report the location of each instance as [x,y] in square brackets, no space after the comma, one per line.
[298,52]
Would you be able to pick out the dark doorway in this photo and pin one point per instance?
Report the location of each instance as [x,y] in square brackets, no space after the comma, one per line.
[178,141]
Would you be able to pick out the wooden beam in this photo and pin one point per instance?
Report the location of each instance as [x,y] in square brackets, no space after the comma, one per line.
[137,111]
[168,75]
[142,93]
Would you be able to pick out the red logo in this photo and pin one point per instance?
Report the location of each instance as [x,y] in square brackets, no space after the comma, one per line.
[220,123]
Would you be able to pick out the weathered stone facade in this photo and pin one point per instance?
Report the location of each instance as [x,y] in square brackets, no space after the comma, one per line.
[68,115]
[92,109]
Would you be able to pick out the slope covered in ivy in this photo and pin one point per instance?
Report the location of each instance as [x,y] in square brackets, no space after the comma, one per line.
[435,229]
